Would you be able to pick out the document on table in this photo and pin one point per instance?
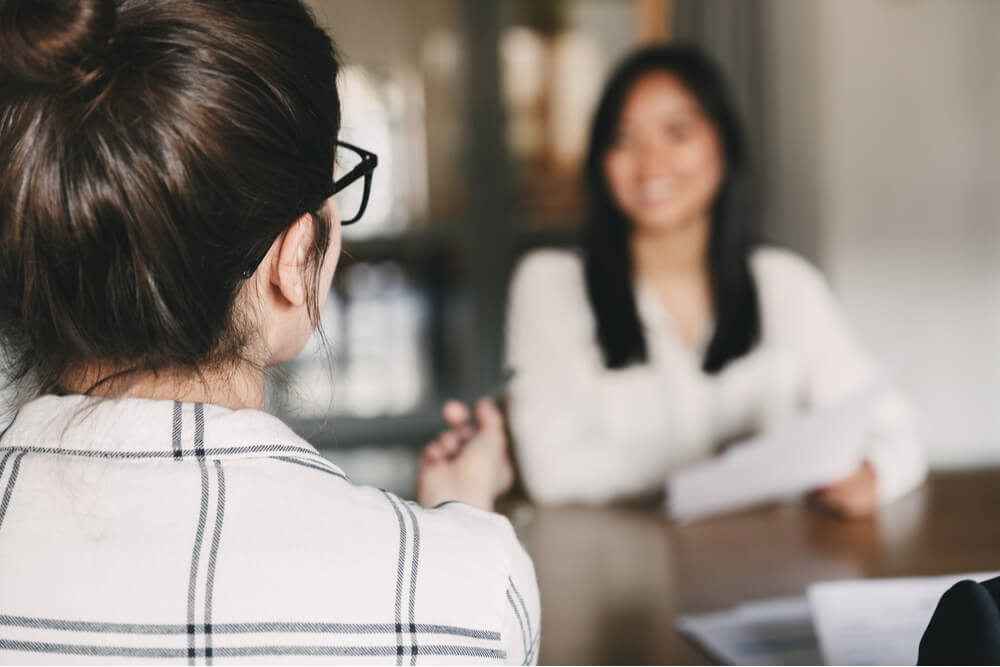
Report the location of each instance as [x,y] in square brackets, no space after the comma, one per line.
[764,632]
[850,622]
[877,621]
[813,450]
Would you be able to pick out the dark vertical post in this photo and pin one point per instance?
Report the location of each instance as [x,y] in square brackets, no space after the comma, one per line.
[486,236]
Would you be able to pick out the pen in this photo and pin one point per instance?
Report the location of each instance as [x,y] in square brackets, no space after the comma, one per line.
[495,392]
[498,389]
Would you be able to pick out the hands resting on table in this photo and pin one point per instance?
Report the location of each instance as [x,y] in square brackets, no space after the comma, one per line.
[468,461]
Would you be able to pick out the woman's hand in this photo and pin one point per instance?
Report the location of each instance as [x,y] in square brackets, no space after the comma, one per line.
[468,462]
[852,498]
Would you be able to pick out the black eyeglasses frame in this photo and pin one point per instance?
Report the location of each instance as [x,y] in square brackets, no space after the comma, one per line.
[364,169]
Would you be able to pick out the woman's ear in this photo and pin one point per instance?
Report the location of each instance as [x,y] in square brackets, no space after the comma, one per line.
[290,254]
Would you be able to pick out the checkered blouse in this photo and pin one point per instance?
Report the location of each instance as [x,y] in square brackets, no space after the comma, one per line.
[145,531]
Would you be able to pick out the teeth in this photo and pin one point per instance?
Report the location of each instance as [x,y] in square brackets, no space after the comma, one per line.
[651,191]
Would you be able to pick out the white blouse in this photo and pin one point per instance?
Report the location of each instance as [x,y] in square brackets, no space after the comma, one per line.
[586,434]
[136,530]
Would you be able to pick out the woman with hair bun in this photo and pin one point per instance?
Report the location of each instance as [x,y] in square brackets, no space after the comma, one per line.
[674,332]
[169,228]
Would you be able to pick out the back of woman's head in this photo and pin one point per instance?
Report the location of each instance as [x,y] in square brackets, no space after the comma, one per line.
[151,151]
[733,215]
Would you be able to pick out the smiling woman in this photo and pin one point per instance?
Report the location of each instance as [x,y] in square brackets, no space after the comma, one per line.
[664,168]
[676,333]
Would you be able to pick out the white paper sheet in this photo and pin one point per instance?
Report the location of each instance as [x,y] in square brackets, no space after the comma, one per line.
[764,632]
[814,450]
[877,621]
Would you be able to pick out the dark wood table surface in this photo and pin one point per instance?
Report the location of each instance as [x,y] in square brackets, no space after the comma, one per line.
[613,579]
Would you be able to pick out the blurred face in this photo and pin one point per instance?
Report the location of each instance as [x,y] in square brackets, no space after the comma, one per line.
[665,164]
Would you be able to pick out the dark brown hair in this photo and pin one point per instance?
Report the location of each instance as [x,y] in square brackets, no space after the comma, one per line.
[151,151]
[734,218]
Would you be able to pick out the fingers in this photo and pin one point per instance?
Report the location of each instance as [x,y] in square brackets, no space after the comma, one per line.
[450,442]
[846,499]
[488,415]
[828,499]
[462,430]
[446,446]
[855,510]
[834,490]
[458,416]
[432,453]
[455,413]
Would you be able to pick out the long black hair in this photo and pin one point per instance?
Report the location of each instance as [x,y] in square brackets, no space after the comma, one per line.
[734,216]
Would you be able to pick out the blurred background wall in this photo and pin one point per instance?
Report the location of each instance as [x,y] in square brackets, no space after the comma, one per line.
[882,131]
[877,128]
[911,202]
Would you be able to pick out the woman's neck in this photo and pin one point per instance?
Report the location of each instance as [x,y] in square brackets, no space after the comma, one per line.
[235,386]
[677,252]
[674,264]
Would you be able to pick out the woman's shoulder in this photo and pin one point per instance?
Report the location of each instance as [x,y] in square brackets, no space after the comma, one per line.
[785,277]
[543,266]
[480,529]
[549,279]
[772,264]
[454,535]
[382,512]
[796,299]
[445,533]
[371,525]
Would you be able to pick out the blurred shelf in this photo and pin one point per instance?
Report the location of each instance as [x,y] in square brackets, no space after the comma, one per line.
[421,242]
[412,243]
[437,257]
[414,429]
[528,237]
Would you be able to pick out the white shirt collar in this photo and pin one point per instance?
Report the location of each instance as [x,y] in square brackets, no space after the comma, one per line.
[149,429]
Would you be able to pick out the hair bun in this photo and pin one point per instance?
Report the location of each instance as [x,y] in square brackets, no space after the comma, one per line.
[48,41]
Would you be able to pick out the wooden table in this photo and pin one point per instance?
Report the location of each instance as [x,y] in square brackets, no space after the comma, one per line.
[613,580]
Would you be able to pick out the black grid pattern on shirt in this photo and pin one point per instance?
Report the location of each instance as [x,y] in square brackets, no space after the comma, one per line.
[529,639]
[8,491]
[254,627]
[210,452]
[94,650]
[423,639]
[434,640]
[406,571]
